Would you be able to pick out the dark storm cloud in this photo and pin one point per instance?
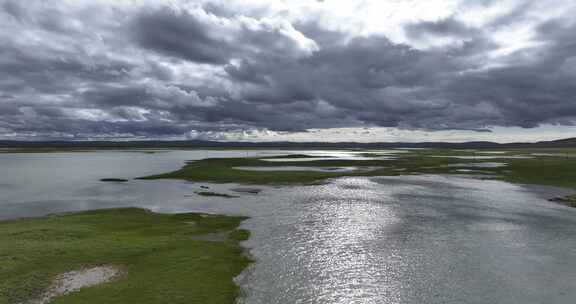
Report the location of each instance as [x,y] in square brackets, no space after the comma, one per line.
[160,71]
[180,34]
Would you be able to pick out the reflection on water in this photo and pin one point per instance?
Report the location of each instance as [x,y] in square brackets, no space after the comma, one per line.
[340,155]
[425,239]
[311,168]
[319,250]
[485,157]
[411,239]
[479,165]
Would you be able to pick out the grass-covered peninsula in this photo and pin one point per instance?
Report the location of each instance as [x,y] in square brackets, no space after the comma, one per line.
[163,258]
[222,170]
[552,167]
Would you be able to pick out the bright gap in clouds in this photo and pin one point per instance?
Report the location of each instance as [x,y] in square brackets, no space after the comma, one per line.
[375,134]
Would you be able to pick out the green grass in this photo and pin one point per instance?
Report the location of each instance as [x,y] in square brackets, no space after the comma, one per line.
[543,170]
[163,261]
[221,170]
[557,171]
[550,171]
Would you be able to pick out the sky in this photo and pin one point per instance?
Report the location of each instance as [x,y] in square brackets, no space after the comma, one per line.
[288,70]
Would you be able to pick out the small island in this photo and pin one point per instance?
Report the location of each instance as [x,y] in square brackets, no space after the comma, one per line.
[114,180]
[209,193]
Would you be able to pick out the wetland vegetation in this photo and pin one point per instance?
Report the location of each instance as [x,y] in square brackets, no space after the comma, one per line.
[162,260]
[551,167]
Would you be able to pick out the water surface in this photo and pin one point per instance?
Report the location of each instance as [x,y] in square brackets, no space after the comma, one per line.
[406,239]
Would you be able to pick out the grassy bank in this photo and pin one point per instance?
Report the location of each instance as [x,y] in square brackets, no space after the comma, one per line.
[222,170]
[557,169]
[163,261]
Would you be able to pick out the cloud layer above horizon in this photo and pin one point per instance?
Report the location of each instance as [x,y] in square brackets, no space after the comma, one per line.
[222,69]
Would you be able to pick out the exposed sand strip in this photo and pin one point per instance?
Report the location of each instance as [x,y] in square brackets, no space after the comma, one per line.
[75,280]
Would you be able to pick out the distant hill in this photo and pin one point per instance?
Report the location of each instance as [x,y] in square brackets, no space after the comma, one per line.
[568,142]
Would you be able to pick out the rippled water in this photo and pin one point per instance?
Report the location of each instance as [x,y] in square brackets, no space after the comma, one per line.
[416,239]
[426,239]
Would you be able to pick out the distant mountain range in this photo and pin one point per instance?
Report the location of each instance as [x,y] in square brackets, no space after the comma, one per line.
[568,142]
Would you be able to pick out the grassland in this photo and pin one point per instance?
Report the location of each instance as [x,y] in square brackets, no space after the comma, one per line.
[221,170]
[556,168]
[162,259]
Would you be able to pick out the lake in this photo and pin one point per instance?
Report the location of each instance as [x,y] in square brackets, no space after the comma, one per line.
[406,239]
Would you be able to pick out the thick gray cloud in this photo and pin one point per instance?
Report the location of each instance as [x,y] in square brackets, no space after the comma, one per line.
[180,35]
[142,69]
